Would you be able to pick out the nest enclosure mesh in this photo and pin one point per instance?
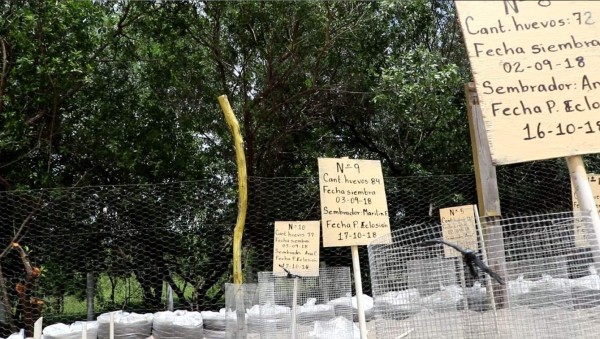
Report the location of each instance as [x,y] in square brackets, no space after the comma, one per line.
[306,307]
[551,288]
[120,247]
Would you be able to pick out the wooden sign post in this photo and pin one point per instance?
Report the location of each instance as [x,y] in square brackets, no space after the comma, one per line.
[535,66]
[488,197]
[585,197]
[582,236]
[297,251]
[84,330]
[37,328]
[353,211]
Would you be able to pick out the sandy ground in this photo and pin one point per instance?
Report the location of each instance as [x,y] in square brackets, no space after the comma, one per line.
[517,323]
[520,322]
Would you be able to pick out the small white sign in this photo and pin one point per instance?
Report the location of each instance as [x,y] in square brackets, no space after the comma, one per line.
[458,226]
[296,248]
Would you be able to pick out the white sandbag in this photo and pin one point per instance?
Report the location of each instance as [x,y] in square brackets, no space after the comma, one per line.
[589,282]
[311,312]
[446,299]
[338,327]
[275,317]
[179,324]
[127,325]
[399,304]
[217,321]
[18,335]
[253,319]
[210,334]
[345,305]
[73,331]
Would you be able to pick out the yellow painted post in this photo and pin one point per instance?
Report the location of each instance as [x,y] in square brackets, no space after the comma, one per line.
[238,232]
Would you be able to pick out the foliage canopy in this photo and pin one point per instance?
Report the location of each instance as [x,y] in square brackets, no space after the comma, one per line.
[124,92]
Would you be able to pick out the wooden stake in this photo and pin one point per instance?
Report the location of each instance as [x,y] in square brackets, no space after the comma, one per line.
[294,307]
[238,232]
[84,330]
[111,326]
[37,328]
[487,192]
[584,193]
[362,322]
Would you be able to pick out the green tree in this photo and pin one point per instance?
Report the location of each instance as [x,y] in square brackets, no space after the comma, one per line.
[124,92]
[414,119]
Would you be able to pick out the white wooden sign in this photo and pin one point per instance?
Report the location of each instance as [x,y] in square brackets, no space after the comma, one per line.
[458,226]
[353,203]
[536,66]
[296,248]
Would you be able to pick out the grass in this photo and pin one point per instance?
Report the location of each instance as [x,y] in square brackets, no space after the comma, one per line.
[127,296]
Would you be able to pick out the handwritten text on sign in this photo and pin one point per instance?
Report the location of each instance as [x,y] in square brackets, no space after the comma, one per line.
[535,65]
[458,226]
[353,203]
[296,248]
[581,234]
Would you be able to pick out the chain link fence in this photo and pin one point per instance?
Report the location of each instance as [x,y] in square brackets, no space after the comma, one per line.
[120,247]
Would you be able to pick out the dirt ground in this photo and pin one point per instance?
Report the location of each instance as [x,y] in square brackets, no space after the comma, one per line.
[516,323]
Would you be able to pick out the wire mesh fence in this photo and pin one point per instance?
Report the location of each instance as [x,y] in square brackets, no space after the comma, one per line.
[306,307]
[548,287]
[120,247]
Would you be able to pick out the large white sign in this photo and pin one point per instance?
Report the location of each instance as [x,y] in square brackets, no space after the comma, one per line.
[353,203]
[536,65]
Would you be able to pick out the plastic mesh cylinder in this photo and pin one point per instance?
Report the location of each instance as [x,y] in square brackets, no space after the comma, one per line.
[240,301]
[306,307]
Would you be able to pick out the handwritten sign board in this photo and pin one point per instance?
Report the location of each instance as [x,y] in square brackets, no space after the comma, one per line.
[353,204]
[296,248]
[581,235]
[535,66]
[458,226]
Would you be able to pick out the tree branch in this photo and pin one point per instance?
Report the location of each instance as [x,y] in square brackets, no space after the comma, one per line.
[4,74]
[18,235]
[370,146]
